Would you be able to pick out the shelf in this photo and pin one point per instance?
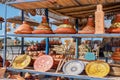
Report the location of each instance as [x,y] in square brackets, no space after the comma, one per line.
[1,35]
[55,74]
[68,35]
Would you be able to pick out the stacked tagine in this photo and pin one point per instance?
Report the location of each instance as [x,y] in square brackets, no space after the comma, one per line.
[43,27]
[24,29]
[65,28]
[89,28]
[115,27]
[116,55]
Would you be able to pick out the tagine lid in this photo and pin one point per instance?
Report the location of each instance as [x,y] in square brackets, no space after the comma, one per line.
[97,69]
[21,61]
[89,28]
[115,27]
[65,28]
[43,27]
[24,28]
[44,24]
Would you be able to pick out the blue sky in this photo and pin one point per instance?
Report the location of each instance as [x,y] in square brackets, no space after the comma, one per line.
[11,12]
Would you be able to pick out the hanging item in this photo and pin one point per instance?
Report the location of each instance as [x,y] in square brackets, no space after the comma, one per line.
[43,63]
[99,20]
[21,61]
[89,28]
[43,27]
[73,67]
[65,28]
[24,29]
[8,29]
[90,56]
[97,69]
[115,27]
[1,19]
[13,25]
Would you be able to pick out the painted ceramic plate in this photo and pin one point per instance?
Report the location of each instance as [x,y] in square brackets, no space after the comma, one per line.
[73,67]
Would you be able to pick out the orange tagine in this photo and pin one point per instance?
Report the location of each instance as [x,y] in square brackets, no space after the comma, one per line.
[43,28]
[24,29]
[65,28]
[115,27]
[89,28]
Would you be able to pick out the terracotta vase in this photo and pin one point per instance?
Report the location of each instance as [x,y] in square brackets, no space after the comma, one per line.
[116,55]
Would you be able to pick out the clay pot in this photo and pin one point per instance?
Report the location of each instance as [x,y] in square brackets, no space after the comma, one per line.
[24,29]
[89,28]
[43,28]
[65,28]
[116,55]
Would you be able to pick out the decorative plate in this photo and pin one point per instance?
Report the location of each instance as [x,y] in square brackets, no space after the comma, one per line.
[97,69]
[73,67]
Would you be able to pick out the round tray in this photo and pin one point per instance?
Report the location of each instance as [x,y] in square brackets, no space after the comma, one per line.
[21,61]
[97,69]
[43,63]
[73,67]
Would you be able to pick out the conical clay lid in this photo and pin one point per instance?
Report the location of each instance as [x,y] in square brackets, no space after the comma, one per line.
[89,28]
[24,29]
[115,27]
[43,27]
[65,28]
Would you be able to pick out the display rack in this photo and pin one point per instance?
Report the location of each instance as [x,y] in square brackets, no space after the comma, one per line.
[35,4]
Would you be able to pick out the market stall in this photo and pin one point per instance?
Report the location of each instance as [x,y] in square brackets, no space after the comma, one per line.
[76,61]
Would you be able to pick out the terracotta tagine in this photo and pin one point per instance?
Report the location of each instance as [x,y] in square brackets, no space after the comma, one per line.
[115,27]
[116,55]
[65,28]
[43,27]
[89,28]
[24,29]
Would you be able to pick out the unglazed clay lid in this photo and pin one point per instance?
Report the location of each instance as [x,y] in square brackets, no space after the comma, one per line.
[89,28]
[24,28]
